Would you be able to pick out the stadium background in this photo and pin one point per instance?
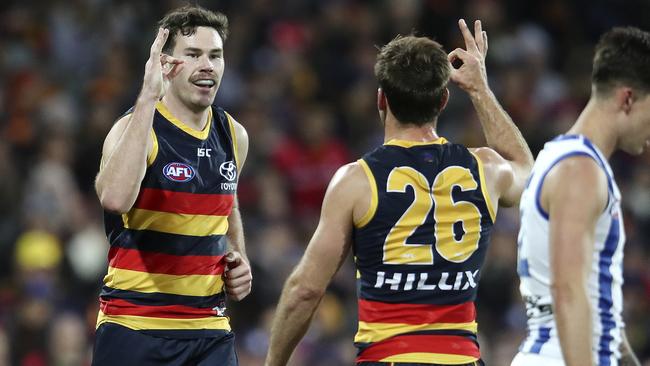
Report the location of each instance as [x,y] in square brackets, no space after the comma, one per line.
[299,77]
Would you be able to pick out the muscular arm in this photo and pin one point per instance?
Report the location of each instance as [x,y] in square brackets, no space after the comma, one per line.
[326,252]
[238,276]
[500,132]
[505,138]
[124,158]
[235,228]
[574,194]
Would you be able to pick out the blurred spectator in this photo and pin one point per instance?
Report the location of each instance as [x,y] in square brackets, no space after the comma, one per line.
[308,159]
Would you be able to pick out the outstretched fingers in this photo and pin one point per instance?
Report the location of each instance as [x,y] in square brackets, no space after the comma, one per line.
[159,42]
[470,42]
[478,36]
[485,42]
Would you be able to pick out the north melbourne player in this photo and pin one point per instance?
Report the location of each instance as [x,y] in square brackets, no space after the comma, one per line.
[571,237]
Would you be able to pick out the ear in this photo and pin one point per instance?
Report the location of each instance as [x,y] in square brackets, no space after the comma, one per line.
[625,97]
[381,100]
[444,99]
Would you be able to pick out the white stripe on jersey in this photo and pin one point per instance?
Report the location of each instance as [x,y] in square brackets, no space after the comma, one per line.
[606,278]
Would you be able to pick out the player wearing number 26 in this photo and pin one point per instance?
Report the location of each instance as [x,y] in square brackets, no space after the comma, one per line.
[417,213]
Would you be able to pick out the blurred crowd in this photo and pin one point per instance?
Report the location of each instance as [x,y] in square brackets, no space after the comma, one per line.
[299,77]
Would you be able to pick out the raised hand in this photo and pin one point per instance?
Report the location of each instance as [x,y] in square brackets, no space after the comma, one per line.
[238,276]
[471,75]
[160,68]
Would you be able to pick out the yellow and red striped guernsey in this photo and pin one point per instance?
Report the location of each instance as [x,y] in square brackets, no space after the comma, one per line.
[166,260]
[419,251]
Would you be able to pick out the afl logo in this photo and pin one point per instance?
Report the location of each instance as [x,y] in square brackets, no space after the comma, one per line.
[178,172]
[228,170]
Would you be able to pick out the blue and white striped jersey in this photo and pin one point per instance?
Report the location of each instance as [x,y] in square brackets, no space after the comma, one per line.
[606,278]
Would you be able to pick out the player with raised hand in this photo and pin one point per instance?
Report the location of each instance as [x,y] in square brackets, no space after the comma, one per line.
[417,212]
[168,185]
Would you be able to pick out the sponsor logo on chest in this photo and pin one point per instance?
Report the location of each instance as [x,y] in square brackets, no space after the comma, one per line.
[228,170]
[178,172]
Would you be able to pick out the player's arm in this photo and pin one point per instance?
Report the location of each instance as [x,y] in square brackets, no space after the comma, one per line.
[127,145]
[238,277]
[326,252]
[124,159]
[627,355]
[574,194]
[501,134]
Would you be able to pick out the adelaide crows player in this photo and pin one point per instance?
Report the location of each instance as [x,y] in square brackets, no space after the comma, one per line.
[417,213]
[571,239]
[168,183]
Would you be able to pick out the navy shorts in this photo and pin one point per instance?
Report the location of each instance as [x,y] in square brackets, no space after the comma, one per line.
[118,345]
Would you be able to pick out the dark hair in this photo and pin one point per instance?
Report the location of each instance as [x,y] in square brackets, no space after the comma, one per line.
[413,72]
[622,58]
[184,20]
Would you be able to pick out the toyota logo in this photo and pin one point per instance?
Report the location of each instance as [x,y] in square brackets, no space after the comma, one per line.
[228,170]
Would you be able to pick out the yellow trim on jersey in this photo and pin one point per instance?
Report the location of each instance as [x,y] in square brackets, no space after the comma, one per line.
[231,123]
[151,157]
[374,197]
[426,357]
[486,194]
[146,323]
[174,223]
[201,135]
[407,144]
[188,285]
[375,332]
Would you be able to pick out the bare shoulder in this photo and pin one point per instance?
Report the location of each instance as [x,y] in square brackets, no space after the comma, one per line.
[120,125]
[490,158]
[577,171]
[241,140]
[350,178]
[348,191]
[115,133]
[576,181]
[240,130]
[499,175]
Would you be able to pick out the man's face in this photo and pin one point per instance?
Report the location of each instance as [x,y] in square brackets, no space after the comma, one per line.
[197,83]
[636,138]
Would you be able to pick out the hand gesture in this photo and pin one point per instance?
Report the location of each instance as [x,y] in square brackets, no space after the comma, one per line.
[471,75]
[160,68]
[238,276]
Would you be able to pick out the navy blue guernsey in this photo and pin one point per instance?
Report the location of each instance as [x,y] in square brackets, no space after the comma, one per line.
[419,251]
[166,259]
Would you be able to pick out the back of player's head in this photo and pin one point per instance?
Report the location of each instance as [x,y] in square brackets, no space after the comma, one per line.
[622,58]
[186,19]
[413,73]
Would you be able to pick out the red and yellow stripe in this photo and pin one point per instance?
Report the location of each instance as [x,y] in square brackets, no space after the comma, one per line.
[376,311]
[152,262]
[383,324]
[152,323]
[184,203]
[440,349]
[187,285]
[123,307]
[180,213]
